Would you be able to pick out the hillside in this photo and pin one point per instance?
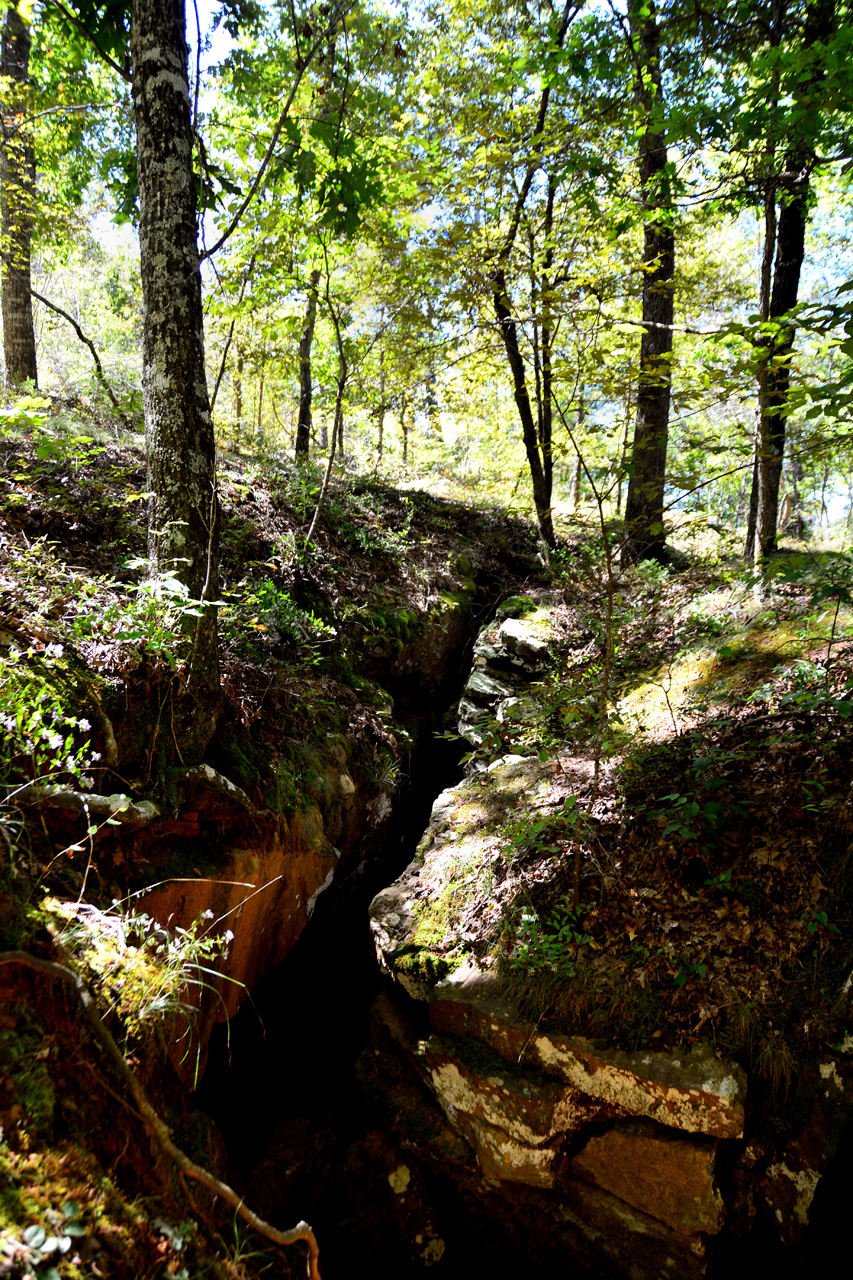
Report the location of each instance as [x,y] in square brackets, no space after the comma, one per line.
[649,850]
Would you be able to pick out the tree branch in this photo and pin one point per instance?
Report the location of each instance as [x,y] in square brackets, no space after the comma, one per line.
[119,807]
[81,26]
[156,1126]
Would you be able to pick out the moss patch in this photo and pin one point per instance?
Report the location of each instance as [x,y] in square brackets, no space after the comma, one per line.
[418,962]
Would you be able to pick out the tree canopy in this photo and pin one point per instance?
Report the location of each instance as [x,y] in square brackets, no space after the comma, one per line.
[569,251]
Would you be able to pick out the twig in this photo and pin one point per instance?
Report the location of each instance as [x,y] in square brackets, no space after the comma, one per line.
[337,421]
[219,376]
[156,1126]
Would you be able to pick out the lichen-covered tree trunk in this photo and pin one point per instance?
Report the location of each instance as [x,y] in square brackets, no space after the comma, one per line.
[183,512]
[18,179]
[644,531]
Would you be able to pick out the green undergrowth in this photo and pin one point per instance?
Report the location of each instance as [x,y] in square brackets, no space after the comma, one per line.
[715,875]
[63,1218]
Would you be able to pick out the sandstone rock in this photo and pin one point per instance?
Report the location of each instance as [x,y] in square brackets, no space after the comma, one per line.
[502,1159]
[529,1108]
[521,639]
[485,689]
[695,1092]
[617,1240]
[393,925]
[667,1175]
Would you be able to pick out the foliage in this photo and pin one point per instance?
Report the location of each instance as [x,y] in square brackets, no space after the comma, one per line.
[147,970]
[262,606]
[554,945]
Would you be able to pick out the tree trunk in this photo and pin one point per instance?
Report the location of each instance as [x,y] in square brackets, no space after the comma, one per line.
[539,474]
[380,411]
[259,430]
[18,179]
[575,488]
[404,429]
[644,531]
[546,416]
[774,363]
[183,511]
[774,376]
[303,422]
[577,464]
[766,283]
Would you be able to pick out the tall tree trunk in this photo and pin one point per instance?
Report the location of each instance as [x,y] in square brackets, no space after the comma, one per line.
[774,377]
[575,486]
[259,429]
[303,421]
[577,463]
[769,252]
[540,465]
[774,363]
[380,410]
[18,179]
[539,474]
[644,531]
[183,511]
[546,416]
[404,428]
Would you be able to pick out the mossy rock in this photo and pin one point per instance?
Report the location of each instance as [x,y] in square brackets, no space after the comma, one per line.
[516,607]
[421,964]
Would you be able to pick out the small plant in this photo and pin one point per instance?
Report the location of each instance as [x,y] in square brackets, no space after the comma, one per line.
[723,882]
[38,739]
[556,945]
[158,615]
[548,834]
[37,1249]
[263,607]
[817,923]
[687,970]
[146,969]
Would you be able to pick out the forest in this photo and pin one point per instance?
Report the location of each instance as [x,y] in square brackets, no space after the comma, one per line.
[427,483]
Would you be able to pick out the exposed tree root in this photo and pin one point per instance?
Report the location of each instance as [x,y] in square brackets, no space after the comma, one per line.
[158,1128]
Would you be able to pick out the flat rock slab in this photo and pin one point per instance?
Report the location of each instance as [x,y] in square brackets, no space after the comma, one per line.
[486,689]
[695,1092]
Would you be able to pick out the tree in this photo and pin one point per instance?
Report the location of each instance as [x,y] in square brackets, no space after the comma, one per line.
[644,530]
[785,239]
[306,339]
[18,180]
[183,513]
